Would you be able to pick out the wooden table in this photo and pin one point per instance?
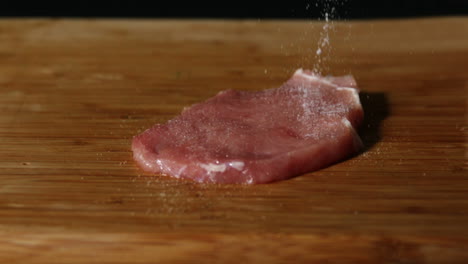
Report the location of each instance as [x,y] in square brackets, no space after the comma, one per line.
[73,93]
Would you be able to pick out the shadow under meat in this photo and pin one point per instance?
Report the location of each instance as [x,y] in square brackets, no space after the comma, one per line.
[376,109]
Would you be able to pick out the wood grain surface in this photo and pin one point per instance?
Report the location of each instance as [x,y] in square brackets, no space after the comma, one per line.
[73,93]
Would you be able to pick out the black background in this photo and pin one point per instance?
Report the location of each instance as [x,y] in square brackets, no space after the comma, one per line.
[346,9]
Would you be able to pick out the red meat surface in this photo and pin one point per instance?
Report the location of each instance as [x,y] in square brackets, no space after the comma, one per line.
[258,137]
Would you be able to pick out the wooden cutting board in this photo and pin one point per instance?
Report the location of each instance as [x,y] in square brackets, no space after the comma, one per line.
[73,93]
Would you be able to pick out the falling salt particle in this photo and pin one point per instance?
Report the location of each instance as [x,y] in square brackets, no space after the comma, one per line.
[266,71]
[319,51]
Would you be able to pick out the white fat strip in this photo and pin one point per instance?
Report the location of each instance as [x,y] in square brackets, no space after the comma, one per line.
[250,180]
[211,167]
[160,164]
[313,77]
[299,71]
[356,138]
[238,165]
[181,170]
[347,123]
[352,90]
[142,159]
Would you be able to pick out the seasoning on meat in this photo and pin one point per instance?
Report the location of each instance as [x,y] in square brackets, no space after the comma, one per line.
[258,137]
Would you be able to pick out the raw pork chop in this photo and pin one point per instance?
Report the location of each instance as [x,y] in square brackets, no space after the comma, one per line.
[258,137]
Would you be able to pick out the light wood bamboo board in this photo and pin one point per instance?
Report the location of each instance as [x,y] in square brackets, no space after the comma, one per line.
[73,93]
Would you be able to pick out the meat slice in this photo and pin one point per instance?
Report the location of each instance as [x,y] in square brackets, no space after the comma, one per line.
[258,137]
